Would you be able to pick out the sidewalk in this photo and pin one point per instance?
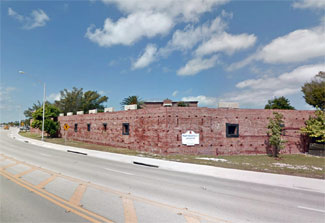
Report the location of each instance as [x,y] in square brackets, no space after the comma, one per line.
[301,183]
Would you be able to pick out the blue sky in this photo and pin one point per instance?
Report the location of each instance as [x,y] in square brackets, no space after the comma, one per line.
[205,50]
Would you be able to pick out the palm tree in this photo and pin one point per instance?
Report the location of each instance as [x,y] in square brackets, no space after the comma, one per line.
[133,100]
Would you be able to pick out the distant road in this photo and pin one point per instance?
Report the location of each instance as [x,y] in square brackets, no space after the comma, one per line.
[71,187]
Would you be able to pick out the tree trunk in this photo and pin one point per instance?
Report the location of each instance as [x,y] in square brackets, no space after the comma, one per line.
[275,151]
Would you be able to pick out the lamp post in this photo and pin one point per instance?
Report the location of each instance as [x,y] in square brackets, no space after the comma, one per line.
[44,99]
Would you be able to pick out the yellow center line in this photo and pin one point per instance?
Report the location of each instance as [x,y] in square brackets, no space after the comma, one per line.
[59,199]
[49,198]
[127,197]
[25,172]
[78,193]
[130,215]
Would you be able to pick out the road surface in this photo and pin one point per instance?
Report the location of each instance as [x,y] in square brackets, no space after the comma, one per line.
[76,188]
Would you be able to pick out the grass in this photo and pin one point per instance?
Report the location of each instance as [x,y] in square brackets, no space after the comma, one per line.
[296,165]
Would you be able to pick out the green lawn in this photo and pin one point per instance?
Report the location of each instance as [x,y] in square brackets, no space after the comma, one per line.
[297,165]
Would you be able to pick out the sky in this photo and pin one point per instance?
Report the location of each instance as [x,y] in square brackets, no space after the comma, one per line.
[205,50]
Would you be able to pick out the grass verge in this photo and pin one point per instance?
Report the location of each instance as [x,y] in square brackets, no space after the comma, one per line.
[296,165]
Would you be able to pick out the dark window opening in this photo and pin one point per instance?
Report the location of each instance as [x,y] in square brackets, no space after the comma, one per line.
[88,127]
[76,127]
[283,132]
[232,130]
[105,126]
[126,129]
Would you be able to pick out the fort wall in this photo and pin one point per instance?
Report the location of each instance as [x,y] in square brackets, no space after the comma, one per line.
[159,130]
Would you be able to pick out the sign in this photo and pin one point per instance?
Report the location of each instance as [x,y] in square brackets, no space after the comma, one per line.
[190,138]
[66,126]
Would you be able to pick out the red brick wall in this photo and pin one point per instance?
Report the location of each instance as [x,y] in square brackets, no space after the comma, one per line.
[159,130]
[35,131]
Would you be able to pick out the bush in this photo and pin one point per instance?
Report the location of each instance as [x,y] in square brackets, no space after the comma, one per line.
[275,127]
[315,127]
[51,126]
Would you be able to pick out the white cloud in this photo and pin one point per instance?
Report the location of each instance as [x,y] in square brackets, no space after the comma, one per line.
[101,92]
[203,100]
[185,10]
[54,97]
[147,18]
[196,65]
[256,92]
[14,14]
[226,14]
[147,57]
[226,43]
[314,4]
[38,18]
[214,39]
[127,31]
[175,93]
[298,46]
[240,64]
[190,36]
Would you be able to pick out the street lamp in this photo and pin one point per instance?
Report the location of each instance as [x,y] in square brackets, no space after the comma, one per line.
[44,99]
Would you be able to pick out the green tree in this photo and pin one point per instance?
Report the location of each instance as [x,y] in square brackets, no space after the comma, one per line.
[133,100]
[315,127]
[51,126]
[314,91]
[93,100]
[29,112]
[75,100]
[275,127]
[70,101]
[279,103]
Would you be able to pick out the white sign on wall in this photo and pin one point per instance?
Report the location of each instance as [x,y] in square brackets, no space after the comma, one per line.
[190,138]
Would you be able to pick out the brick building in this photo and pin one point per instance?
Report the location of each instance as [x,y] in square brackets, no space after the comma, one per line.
[159,130]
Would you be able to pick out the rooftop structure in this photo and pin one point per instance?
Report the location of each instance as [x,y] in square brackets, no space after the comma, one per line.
[169,103]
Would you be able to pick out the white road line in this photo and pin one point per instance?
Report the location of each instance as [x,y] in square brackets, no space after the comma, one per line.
[119,171]
[312,209]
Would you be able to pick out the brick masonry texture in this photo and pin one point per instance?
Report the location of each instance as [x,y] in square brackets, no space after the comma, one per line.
[159,130]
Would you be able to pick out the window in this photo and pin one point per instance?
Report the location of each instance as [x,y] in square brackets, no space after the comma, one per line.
[232,130]
[283,131]
[105,126]
[88,127]
[76,127]
[125,129]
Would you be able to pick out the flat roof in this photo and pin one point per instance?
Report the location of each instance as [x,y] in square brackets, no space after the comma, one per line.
[161,102]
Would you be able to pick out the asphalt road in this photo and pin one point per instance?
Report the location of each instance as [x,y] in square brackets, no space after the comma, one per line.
[96,189]
[20,205]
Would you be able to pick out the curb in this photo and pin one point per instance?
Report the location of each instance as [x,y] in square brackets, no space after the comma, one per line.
[292,182]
